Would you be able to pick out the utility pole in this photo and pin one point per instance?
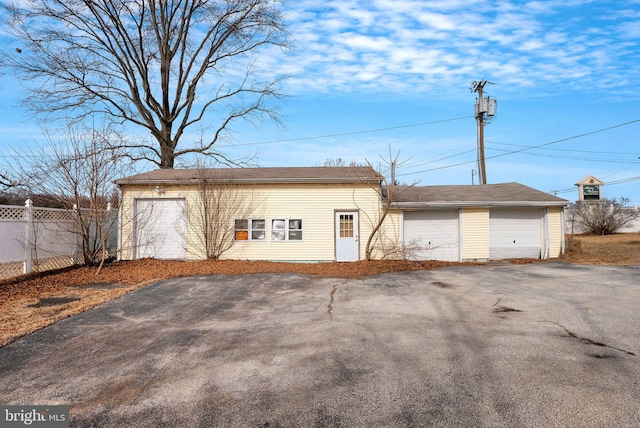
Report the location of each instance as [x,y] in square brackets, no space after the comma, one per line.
[484,106]
[393,172]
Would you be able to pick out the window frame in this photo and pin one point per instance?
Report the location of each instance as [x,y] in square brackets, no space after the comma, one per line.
[287,230]
[250,229]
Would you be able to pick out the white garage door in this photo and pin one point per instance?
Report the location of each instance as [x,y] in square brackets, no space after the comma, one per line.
[431,235]
[514,233]
[161,228]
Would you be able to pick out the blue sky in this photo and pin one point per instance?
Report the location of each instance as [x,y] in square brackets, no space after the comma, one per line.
[373,76]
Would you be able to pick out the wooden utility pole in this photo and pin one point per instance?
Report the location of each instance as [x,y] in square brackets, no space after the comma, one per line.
[480,120]
[483,106]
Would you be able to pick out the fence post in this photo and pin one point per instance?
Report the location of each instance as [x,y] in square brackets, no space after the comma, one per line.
[105,230]
[74,258]
[28,237]
[118,230]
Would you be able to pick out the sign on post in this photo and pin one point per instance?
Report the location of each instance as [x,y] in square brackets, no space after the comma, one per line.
[591,192]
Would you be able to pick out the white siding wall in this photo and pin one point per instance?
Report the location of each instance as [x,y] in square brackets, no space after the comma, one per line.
[315,204]
[128,220]
[475,234]
[554,215]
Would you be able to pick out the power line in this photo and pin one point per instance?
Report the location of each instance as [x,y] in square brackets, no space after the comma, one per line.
[526,148]
[343,134]
[569,138]
[623,180]
[610,183]
[575,157]
[566,150]
[317,137]
[414,165]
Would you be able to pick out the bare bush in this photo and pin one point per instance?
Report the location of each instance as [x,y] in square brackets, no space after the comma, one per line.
[220,204]
[76,173]
[604,217]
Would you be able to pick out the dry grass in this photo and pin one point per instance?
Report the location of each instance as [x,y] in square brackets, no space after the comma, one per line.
[30,303]
[621,249]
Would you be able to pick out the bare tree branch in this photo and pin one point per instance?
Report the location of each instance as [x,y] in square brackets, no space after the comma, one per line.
[219,206]
[388,190]
[77,173]
[163,66]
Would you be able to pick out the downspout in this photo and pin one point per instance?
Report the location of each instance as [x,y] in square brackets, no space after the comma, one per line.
[564,232]
[460,237]
[546,243]
[118,228]
[401,237]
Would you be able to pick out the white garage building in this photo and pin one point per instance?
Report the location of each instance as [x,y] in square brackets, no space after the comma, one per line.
[316,214]
[479,222]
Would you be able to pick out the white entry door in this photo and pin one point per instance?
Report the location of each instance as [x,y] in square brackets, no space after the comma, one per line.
[161,228]
[347,245]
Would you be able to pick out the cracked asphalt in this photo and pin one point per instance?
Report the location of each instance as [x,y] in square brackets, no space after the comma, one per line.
[499,345]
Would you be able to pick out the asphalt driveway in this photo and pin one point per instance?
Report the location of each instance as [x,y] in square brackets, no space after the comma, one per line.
[539,345]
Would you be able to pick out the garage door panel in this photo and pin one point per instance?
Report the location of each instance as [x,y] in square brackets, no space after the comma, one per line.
[431,235]
[514,233]
[161,228]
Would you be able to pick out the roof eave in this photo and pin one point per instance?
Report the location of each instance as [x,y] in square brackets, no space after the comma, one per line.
[477,204]
[164,182]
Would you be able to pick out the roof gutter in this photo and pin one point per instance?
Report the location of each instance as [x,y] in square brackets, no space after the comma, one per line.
[475,204]
[193,181]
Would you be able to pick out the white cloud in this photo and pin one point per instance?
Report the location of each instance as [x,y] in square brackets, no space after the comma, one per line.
[631,29]
[360,41]
[412,46]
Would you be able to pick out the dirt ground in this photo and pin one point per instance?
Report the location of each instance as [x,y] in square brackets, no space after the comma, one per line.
[33,302]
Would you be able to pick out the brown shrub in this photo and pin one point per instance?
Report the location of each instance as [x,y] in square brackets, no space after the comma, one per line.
[573,247]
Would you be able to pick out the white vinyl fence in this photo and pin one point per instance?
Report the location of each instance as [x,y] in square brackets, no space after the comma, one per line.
[36,239]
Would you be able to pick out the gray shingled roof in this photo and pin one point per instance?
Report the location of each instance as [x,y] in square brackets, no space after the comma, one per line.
[504,194]
[255,175]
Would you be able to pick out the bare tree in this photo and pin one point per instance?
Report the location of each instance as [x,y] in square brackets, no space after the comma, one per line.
[169,67]
[387,193]
[220,205]
[6,182]
[77,174]
[339,162]
[604,217]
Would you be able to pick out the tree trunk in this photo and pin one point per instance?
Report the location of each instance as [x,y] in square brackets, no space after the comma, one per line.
[167,156]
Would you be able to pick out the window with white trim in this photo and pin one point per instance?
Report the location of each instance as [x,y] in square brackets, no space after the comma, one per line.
[250,229]
[286,229]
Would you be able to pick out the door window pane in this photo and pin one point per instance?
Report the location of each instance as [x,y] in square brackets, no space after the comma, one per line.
[346,225]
